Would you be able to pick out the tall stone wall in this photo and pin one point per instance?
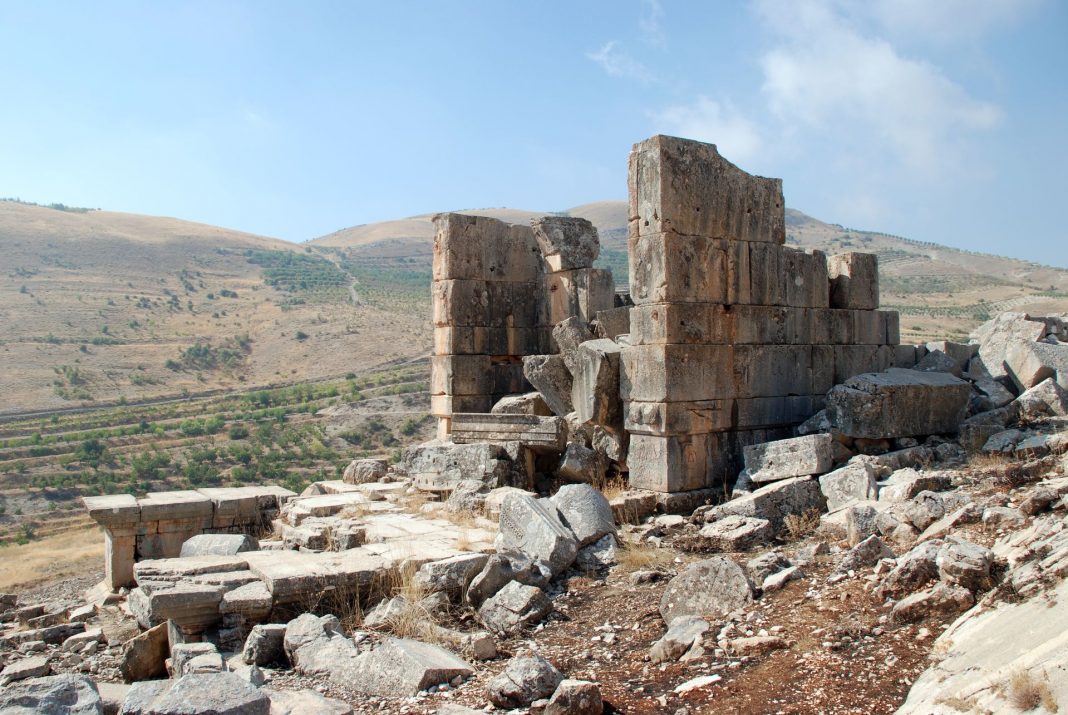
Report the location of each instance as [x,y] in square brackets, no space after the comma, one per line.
[498,290]
[734,337]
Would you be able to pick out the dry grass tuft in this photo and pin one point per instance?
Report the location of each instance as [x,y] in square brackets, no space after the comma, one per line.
[798,526]
[644,557]
[1027,692]
[958,704]
[612,488]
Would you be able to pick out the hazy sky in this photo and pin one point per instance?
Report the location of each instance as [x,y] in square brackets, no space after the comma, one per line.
[937,120]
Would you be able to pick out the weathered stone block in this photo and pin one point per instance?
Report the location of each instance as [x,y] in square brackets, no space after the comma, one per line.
[595,387]
[771,370]
[582,292]
[537,433]
[854,280]
[532,527]
[671,463]
[898,403]
[668,268]
[852,483]
[997,335]
[1030,363]
[804,278]
[566,242]
[550,377]
[483,248]
[447,405]
[568,335]
[460,375]
[612,323]
[796,457]
[530,403]
[688,188]
[678,418]
[677,373]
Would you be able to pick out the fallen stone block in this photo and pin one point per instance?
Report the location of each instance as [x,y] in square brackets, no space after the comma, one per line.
[996,336]
[265,644]
[867,553]
[599,555]
[568,335]
[595,388]
[190,605]
[33,667]
[187,658]
[364,471]
[681,635]
[145,656]
[252,601]
[218,545]
[612,323]
[904,484]
[777,581]
[939,600]
[938,361]
[400,666]
[575,697]
[755,645]
[530,403]
[439,466]
[585,511]
[737,533]
[913,569]
[785,458]
[532,527]
[774,502]
[301,702]
[450,576]
[1046,399]
[851,483]
[1030,363]
[513,607]
[545,434]
[566,242]
[898,403]
[551,378]
[581,464]
[66,693]
[715,586]
[208,693]
[526,678]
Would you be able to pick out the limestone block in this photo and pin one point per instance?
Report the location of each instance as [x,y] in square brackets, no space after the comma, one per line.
[441,466]
[483,248]
[869,327]
[595,387]
[460,303]
[854,482]
[771,370]
[585,511]
[527,678]
[766,284]
[796,457]
[677,373]
[612,322]
[851,360]
[688,188]
[506,340]
[830,326]
[143,657]
[1030,363]
[997,335]
[460,375]
[854,280]
[218,545]
[737,533]
[759,412]
[905,356]
[581,464]
[566,242]
[177,505]
[678,418]
[822,371]
[804,278]
[550,377]
[668,268]
[715,586]
[119,557]
[252,601]
[671,463]
[582,292]
[898,403]
[530,403]
[533,528]
[678,323]
[774,502]
[537,433]
[113,509]
[513,607]
[568,335]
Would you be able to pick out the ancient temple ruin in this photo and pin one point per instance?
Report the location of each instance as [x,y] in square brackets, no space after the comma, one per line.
[733,338]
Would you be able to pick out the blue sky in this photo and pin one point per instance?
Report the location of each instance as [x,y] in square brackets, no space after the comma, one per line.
[941,121]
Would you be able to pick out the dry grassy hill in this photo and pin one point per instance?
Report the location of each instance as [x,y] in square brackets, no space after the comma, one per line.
[99,307]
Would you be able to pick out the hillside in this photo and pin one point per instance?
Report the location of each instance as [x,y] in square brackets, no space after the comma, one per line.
[103,307]
[100,307]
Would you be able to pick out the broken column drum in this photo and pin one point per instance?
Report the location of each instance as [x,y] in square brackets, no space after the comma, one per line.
[734,337]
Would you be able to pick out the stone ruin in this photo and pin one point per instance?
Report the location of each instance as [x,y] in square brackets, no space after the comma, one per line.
[727,345]
[727,337]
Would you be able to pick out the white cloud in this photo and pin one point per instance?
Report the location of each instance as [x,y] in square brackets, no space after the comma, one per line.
[941,21]
[618,63]
[650,25]
[825,73]
[734,135]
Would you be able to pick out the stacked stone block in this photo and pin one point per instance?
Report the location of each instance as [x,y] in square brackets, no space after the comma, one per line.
[734,337]
[498,290]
